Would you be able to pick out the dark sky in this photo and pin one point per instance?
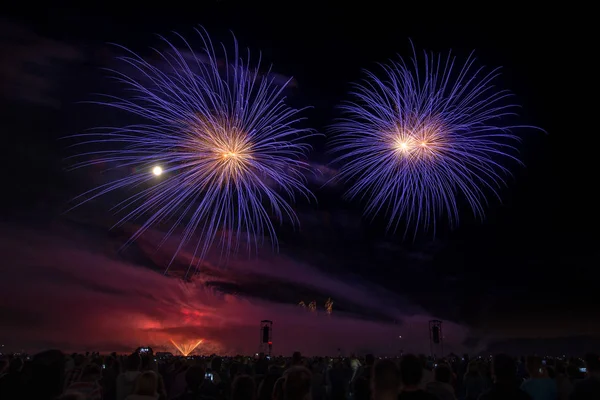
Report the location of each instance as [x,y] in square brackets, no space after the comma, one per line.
[527,270]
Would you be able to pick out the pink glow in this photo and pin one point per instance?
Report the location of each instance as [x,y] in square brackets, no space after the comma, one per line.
[63,290]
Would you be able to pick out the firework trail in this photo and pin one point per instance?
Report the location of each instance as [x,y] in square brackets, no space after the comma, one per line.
[418,138]
[216,147]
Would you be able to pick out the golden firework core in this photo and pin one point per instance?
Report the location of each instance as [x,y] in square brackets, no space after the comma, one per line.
[233,154]
[420,140]
[222,147]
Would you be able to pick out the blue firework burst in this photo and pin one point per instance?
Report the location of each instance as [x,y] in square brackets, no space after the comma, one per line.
[218,152]
[421,135]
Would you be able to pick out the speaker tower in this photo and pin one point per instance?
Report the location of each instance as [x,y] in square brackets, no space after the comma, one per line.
[436,338]
[266,337]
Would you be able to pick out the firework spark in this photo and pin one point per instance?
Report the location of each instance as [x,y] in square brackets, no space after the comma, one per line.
[329,306]
[415,141]
[186,348]
[217,147]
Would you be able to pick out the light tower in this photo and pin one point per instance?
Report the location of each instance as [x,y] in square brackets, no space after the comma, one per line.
[266,337]
[436,338]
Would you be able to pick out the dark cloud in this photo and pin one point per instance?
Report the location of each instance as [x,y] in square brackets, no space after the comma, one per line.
[33,67]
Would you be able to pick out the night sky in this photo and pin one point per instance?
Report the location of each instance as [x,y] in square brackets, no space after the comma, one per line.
[525,272]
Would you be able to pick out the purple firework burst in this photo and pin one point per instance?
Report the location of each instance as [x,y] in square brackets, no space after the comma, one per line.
[217,151]
[418,137]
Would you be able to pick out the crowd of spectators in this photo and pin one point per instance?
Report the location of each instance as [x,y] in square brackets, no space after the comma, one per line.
[52,375]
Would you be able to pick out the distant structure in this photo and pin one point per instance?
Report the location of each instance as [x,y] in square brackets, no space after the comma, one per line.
[312,306]
[302,304]
[329,306]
